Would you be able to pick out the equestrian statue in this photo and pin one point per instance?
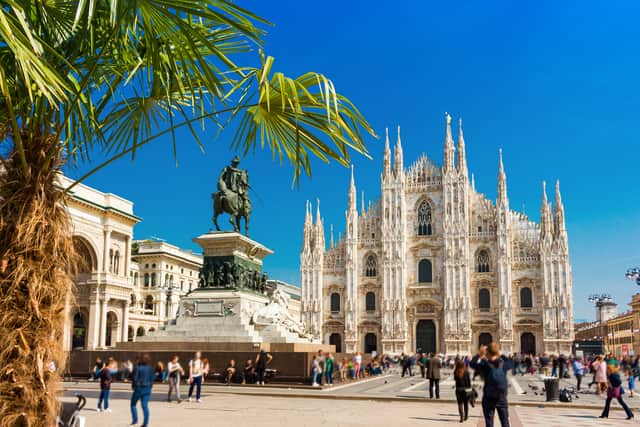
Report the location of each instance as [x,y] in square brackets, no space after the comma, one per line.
[232,196]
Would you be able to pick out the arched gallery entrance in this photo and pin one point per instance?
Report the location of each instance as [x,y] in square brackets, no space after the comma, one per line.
[426,336]
[79,332]
[370,343]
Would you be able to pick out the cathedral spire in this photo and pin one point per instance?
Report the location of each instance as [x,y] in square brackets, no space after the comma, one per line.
[462,155]
[546,226]
[331,244]
[387,155]
[558,214]
[502,182]
[362,203]
[308,227]
[319,232]
[473,182]
[352,193]
[448,147]
[398,157]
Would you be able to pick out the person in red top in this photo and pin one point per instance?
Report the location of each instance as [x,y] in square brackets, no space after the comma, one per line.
[105,387]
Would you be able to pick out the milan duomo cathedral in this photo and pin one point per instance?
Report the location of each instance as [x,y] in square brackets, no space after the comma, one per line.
[435,266]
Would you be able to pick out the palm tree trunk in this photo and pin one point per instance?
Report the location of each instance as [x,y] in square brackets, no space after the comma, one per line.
[36,251]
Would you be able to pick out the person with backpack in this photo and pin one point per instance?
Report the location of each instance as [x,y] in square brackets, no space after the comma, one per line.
[175,371]
[493,368]
[614,390]
[105,388]
[143,377]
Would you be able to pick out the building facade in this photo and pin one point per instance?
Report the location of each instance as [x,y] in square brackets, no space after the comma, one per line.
[163,274]
[102,228]
[619,340]
[435,265]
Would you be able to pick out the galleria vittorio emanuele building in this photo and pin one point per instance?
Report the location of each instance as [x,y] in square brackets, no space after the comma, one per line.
[436,266]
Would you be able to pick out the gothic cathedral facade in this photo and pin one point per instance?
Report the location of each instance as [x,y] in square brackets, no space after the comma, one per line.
[435,266]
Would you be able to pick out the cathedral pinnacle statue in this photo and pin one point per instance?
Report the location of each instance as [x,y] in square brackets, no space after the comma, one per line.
[232,196]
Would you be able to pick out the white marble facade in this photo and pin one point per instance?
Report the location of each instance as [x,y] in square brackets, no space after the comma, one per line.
[435,265]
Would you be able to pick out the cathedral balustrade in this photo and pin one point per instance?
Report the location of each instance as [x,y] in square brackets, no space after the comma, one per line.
[484,312]
[526,259]
[484,235]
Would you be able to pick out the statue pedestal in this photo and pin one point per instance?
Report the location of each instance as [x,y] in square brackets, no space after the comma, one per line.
[232,304]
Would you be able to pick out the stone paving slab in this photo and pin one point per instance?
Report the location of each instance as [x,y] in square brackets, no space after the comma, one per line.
[224,409]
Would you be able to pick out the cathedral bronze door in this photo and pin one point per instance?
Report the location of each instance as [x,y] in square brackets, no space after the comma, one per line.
[484,338]
[528,343]
[426,336]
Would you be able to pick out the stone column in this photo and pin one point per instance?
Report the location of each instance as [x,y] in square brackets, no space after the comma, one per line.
[106,260]
[127,256]
[93,329]
[103,323]
[125,322]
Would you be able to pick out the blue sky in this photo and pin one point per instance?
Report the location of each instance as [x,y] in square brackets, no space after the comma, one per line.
[554,84]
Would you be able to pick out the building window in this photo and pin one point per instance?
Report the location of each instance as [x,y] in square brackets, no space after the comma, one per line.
[153,280]
[370,301]
[424,219]
[370,266]
[148,303]
[146,280]
[116,263]
[484,299]
[526,299]
[425,271]
[335,302]
[483,262]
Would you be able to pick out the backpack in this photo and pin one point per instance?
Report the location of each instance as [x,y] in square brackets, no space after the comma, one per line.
[496,381]
[565,396]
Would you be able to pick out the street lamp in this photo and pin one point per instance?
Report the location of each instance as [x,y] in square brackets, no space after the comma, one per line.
[634,274]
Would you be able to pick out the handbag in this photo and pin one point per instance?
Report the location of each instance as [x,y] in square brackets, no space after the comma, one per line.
[614,392]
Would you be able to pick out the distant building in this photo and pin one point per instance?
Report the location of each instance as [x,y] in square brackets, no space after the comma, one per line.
[606,309]
[435,265]
[619,338]
[164,273]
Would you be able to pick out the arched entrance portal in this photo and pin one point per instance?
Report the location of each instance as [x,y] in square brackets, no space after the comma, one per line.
[79,332]
[370,343]
[111,330]
[335,339]
[528,343]
[426,336]
[484,338]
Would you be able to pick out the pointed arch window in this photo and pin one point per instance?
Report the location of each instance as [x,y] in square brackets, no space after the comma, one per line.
[424,224]
[370,301]
[483,262]
[370,269]
[335,302]
[526,298]
[484,299]
[425,271]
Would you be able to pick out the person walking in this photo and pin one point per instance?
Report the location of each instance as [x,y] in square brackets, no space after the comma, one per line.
[433,374]
[493,367]
[464,392]
[633,371]
[578,371]
[196,370]
[262,360]
[105,388]
[614,390]
[321,361]
[315,371]
[328,370]
[175,371]
[142,383]
[406,363]
[422,362]
[600,377]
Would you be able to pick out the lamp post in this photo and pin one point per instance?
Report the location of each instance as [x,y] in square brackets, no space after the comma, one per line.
[634,274]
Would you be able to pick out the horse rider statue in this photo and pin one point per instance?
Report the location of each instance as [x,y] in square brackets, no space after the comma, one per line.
[232,196]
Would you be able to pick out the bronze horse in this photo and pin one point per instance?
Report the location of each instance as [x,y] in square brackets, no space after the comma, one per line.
[233,204]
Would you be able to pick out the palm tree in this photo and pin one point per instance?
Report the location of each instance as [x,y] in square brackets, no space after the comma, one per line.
[79,77]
